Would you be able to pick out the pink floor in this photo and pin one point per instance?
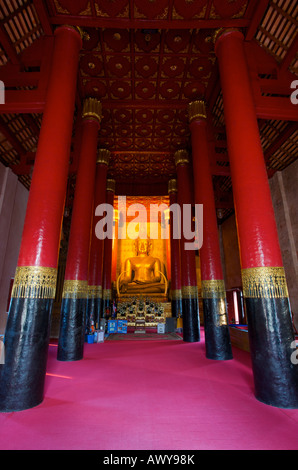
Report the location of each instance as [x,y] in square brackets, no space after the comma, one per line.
[154,395]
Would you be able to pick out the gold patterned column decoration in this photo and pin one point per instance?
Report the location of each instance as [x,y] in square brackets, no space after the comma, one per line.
[172,186]
[107,294]
[213,289]
[74,289]
[176,294]
[94,292]
[264,282]
[181,156]
[189,292]
[111,185]
[92,109]
[34,282]
[103,156]
[196,110]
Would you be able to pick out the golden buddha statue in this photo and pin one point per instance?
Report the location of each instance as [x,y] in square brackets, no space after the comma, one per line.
[142,273]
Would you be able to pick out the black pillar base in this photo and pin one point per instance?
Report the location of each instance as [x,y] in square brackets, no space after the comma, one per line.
[217,335]
[107,307]
[272,348]
[26,343]
[191,320]
[176,307]
[93,309]
[72,329]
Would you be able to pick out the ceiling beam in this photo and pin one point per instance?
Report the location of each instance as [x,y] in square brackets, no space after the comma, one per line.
[9,135]
[43,16]
[260,10]
[281,139]
[268,107]
[123,23]
[290,55]
[8,46]
[25,101]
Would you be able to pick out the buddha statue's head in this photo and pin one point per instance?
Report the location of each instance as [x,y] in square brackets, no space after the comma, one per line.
[143,246]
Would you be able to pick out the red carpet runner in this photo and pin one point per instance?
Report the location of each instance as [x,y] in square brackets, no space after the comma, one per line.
[154,395]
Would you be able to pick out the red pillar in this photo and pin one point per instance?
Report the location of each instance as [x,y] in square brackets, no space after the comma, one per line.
[94,304]
[217,337]
[189,287]
[107,267]
[74,296]
[264,284]
[22,376]
[176,298]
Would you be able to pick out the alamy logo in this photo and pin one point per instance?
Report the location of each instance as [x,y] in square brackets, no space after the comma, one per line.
[294,95]
[2,92]
[184,222]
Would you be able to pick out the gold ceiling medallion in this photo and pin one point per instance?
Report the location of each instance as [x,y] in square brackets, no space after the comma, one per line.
[196,110]
[181,156]
[264,282]
[92,108]
[34,282]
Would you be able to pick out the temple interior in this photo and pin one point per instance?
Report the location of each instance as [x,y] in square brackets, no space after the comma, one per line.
[148,178]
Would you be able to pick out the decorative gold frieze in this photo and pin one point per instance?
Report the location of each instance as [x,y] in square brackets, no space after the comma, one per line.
[34,282]
[176,294]
[107,294]
[214,288]
[172,186]
[92,108]
[181,156]
[264,282]
[74,289]
[196,110]
[94,292]
[111,185]
[103,156]
[189,292]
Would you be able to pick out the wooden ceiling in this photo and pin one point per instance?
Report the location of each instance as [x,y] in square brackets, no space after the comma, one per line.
[145,60]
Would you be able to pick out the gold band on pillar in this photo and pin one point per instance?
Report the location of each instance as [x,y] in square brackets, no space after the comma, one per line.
[94,292]
[189,292]
[107,294]
[176,294]
[74,289]
[103,156]
[196,110]
[264,282]
[172,186]
[34,282]
[111,185]
[213,289]
[181,156]
[92,109]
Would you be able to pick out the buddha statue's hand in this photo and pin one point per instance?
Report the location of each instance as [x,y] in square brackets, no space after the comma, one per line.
[123,286]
